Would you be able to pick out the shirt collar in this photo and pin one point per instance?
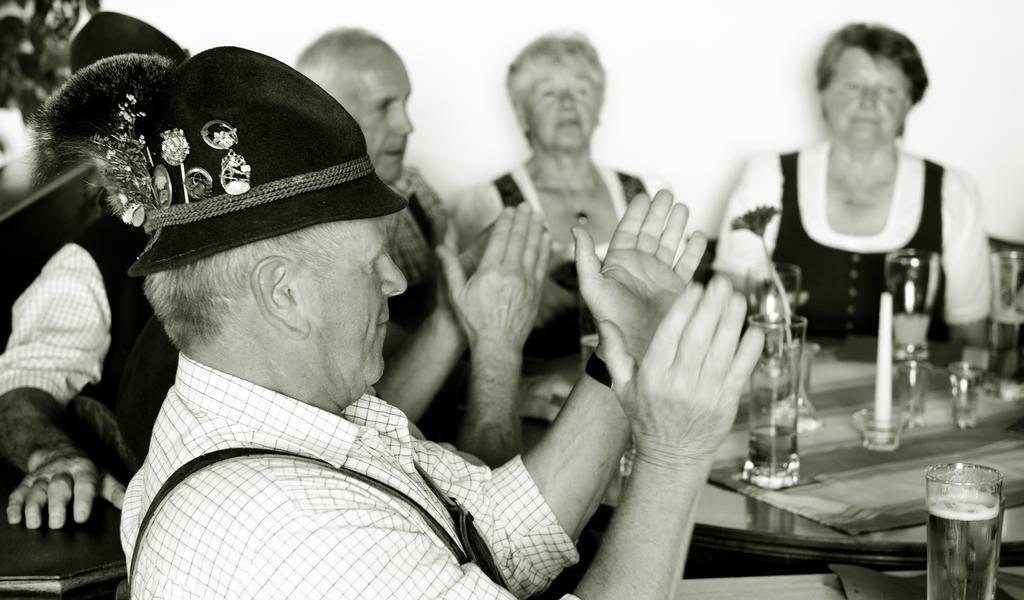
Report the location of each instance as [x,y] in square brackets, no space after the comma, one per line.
[281,422]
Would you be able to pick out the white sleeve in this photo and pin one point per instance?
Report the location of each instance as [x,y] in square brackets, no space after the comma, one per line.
[60,328]
[474,210]
[761,185]
[965,250]
[654,184]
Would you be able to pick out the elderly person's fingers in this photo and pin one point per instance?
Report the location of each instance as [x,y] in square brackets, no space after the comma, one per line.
[743,363]
[85,495]
[701,328]
[451,269]
[16,503]
[112,490]
[540,270]
[58,495]
[588,265]
[626,232]
[498,240]
[531,249]
[521,221]
[723,345]
[672,235]
[34,503]
[689,262]
[648,239]
[665,343]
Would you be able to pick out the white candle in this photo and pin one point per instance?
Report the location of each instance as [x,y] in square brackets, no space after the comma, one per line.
[883,370]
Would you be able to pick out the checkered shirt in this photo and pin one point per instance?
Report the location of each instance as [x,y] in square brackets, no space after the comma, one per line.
[277,527]
[60,328]
[409,247]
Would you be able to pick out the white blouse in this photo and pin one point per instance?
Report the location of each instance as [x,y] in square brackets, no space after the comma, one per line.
[477,208]
[965,248]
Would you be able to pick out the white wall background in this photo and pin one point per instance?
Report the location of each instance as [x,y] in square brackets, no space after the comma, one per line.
[693,89]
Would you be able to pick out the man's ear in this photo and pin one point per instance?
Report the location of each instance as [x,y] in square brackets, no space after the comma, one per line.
[274,283]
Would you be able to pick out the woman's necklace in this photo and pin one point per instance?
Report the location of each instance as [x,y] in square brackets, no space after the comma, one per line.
[576,197]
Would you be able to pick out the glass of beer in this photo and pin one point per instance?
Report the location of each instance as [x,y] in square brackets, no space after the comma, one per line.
[965,517]
[912,277]
[772,460]
[1005,343]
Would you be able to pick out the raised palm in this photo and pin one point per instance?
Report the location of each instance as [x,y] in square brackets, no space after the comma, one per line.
[640,276]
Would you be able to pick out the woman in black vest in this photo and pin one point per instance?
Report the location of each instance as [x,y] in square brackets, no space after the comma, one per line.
[847,201]
[556,85]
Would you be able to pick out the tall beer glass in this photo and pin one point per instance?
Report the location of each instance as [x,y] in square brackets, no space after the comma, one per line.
[1005,342]
[965,516]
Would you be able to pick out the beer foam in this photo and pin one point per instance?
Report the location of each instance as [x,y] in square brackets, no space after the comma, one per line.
[954,510]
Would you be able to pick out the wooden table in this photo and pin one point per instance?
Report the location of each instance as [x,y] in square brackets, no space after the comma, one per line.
[798,587]
[736,535]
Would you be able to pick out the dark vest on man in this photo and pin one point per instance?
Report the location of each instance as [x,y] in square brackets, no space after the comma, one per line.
[844,287]
[562,335]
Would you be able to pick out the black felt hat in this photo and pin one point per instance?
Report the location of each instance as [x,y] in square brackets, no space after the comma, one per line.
[228,148]
[110,33]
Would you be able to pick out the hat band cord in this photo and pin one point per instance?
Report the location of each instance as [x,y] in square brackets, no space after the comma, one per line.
[181,214]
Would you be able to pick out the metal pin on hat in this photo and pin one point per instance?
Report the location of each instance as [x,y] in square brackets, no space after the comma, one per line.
[174,149]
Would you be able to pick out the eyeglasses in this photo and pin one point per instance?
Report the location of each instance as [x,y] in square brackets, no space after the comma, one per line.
[855,90]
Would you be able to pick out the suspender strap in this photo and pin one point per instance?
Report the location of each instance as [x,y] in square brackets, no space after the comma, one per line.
[474,543]
[477,548]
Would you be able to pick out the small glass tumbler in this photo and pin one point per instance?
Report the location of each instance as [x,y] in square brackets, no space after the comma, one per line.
[965,518]
[966,381]
[912,277]
[909,384]
[763,296]
[772,459]
[878,436]
[1006,343]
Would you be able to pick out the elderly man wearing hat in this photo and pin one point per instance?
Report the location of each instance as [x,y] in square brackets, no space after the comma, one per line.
[268,266]
[72,329]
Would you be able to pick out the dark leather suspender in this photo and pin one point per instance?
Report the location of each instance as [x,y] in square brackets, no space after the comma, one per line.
[473,548]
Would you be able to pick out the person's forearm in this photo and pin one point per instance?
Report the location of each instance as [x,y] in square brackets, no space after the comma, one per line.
[574,461]
[416,373]
[642,554]
[29,422]
[491,428]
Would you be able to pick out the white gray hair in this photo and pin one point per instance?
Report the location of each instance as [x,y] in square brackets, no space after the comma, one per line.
[556,47]
[194,302]
[320,60]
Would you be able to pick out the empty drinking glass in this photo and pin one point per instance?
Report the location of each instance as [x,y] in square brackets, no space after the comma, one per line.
[909,384]
[966,381]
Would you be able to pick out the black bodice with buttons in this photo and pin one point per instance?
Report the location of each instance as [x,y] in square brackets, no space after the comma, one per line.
[844,287]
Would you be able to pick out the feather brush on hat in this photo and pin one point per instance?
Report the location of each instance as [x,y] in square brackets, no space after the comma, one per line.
[94,118]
